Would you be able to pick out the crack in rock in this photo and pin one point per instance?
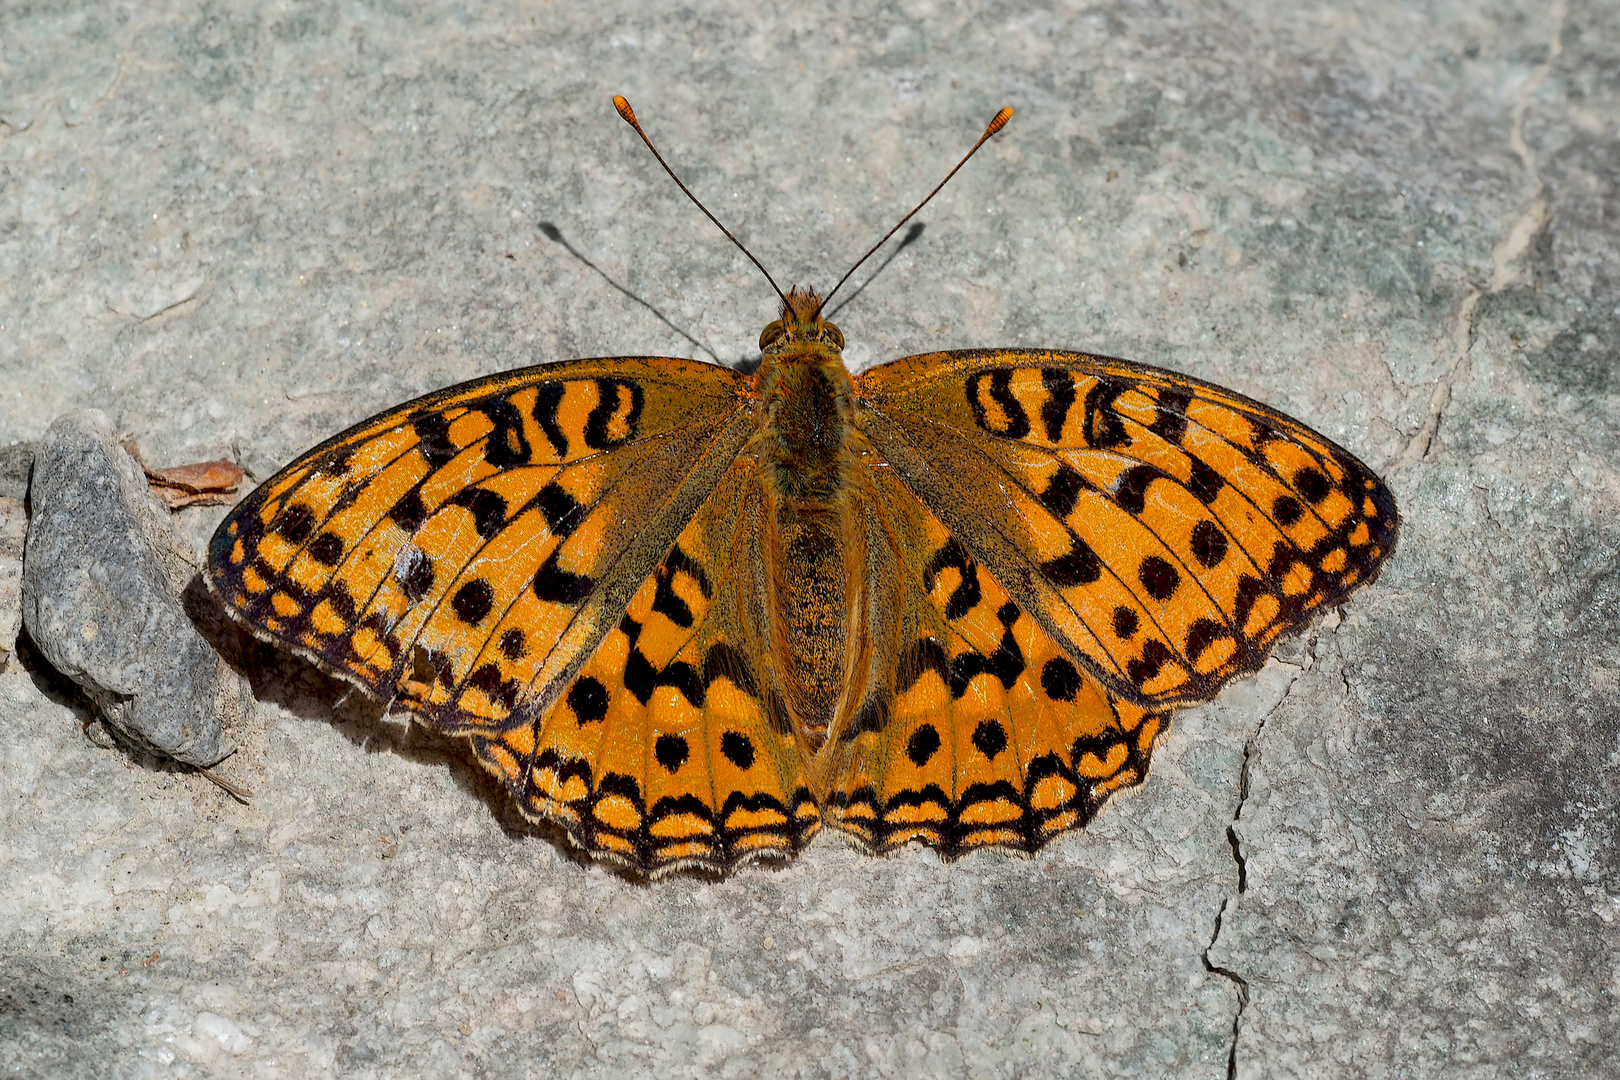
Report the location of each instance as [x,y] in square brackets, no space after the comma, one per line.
[1512,247]
[1245,781]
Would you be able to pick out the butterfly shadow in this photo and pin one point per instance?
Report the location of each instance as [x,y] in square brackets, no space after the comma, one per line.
[913,234]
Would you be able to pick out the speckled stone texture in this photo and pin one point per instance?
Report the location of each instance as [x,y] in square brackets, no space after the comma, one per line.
[103,587]
[239,228]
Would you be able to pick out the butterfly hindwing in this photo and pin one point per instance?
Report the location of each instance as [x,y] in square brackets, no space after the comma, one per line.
[975,729]
[671,747]
[1163,530]
[467,550]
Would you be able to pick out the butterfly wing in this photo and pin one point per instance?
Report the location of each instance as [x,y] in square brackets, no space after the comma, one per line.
[1162,530]
[971,726]
[559,564]
[468,550]
[673,747]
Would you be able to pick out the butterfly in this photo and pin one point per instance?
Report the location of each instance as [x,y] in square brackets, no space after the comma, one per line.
[692,615]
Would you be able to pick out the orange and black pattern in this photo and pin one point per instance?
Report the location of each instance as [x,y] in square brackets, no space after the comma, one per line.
[983,732]
[671,745]
[1166,530]
[441,552]
[574,568]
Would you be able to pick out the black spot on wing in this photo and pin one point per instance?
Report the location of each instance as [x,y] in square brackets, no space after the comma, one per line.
[990,738]
[472,601]
[738,749]
[1146,667]
[1063,490]
[1201,635]
[296,523]
[338,462]
[488,509]
[1170,424]
[506,445]
[1209,544]
[415,575]
[1249,589]
[547,400]
[1104,427]
[1006,663]
[488,679]
[680,563]
[513,645]
[1059,386]
[967,593]
[1130,490]
[1283,557]
[327,549]
[1158,577]
[1312,484]
[671,752]
[1286,510]
[1078,566]
[923,745]
[558,586]
[409,512]
[342,601]
[1098,746]
[433,435]
[1205,483]
[642,679]
[615,419]
[562,511]
[1013,422]
[588,699]
[1060,679]
[667,602]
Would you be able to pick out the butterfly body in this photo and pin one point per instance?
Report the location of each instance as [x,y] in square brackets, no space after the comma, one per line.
[691,615]
[806,458]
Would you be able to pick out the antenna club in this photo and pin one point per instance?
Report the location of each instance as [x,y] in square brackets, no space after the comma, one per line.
[629,116]
[995,125]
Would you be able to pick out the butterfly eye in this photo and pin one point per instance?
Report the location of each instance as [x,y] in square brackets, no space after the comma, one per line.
[833,334]
[771,334]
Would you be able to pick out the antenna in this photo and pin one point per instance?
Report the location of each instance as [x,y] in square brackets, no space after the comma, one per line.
[995,125]
[629,115]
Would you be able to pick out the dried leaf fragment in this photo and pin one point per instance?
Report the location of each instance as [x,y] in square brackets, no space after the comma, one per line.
[203,483]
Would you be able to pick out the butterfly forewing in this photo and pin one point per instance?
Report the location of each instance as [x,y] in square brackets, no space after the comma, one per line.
[1163,530]
[466,551]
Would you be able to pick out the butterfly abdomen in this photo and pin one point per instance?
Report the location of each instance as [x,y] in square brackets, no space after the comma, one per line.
[806,425]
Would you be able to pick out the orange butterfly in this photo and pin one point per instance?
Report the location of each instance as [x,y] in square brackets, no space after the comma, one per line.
[690,614]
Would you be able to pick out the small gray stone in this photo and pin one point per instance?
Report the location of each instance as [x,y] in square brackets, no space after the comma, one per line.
[102,581]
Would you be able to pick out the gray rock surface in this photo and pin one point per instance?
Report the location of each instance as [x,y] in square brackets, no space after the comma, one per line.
[102,588]
[260,222]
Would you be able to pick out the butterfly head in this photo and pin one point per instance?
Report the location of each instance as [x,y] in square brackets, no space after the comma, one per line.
[800,325]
